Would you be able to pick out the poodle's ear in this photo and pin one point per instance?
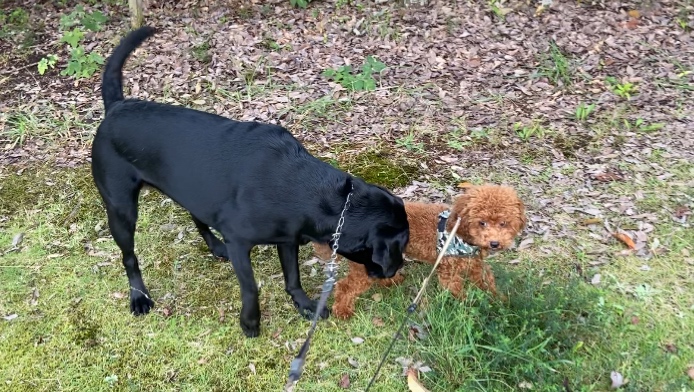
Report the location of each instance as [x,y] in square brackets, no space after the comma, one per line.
[461,207]
[522,220]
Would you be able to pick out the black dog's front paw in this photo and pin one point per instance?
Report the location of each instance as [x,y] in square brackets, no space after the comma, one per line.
[251,330]
[220,251]
[140,302]
[308,310]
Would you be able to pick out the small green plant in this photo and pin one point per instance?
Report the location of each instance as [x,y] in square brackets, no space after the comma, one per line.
[80,63]
[299,3]
[271,44]
[480,134]
[19,128]
[624,90]
[201,52]
[555,65]
[409,143]
[344,3]
[526,132]
[18,17]
[454,140]
[498,8]
[583,111]
[357,82]
[683,17]
[47,62]
[682,23]
[642,126]
[13,22]
[90,20]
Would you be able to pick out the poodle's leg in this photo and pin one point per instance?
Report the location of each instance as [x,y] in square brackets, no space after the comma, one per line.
[322,251]
[483,277]
[348,289]
[451,274]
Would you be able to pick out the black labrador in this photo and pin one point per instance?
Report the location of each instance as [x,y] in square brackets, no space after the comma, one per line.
[252,182]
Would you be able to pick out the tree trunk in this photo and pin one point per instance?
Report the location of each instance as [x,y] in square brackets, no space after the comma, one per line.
[136,13]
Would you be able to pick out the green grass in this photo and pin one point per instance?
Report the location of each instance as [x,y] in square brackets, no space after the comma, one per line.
[47,124]
[555,65]
[73,330]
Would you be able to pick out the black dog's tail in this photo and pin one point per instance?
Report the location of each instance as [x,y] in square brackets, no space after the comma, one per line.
[111,82]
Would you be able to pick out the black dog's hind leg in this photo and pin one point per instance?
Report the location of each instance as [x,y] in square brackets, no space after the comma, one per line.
[289,258]
[250,308]
[120,198]
[216,246]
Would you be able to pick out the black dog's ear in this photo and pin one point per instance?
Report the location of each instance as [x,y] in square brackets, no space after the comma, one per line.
[388,255]
[381,254]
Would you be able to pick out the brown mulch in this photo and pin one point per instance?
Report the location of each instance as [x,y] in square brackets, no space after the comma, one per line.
[449,63]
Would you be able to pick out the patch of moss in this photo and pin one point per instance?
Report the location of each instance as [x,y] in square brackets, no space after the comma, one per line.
[19,190]
[379,167]
[85,330]
[570,144]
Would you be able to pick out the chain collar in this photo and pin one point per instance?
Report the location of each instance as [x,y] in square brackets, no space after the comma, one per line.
[331,267]
[458,247]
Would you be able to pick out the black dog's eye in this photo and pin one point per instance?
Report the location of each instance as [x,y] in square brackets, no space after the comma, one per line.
[483,223]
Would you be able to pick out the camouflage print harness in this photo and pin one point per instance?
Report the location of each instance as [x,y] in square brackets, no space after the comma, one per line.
[458,247]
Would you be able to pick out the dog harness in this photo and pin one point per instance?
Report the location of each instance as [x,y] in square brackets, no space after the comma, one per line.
[458,247]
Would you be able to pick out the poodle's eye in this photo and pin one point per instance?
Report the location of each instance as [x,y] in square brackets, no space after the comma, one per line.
[483,223]
[502,224]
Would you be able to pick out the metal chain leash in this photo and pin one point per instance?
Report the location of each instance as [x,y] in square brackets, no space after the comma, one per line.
[296,367]
[414,304]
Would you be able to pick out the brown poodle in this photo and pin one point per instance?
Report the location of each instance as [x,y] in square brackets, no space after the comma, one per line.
[491,217]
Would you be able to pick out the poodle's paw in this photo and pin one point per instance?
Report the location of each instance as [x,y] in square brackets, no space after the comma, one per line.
[342,312]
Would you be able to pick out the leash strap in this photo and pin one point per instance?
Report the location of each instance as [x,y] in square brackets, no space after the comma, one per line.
[414,304]
[297,365]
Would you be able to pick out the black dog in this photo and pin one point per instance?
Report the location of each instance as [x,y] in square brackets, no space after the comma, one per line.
[253,182]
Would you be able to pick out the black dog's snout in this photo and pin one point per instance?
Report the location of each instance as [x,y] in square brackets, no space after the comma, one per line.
[494,244]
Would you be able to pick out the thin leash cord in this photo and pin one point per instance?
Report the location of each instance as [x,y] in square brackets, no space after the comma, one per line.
[297,364]
[413,305]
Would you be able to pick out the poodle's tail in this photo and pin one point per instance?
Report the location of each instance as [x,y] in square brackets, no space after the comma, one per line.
[111,82]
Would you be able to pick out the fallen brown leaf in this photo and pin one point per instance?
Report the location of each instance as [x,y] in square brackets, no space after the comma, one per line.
[634,13]
[608,176]
[625,239]
[344,381]
[682,211]
[671,348]
[591,221]
[413,382]
[378,322]
[464,185]
[690,372]
[632,23]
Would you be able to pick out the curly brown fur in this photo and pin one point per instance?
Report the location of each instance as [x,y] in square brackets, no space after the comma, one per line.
[491,217]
